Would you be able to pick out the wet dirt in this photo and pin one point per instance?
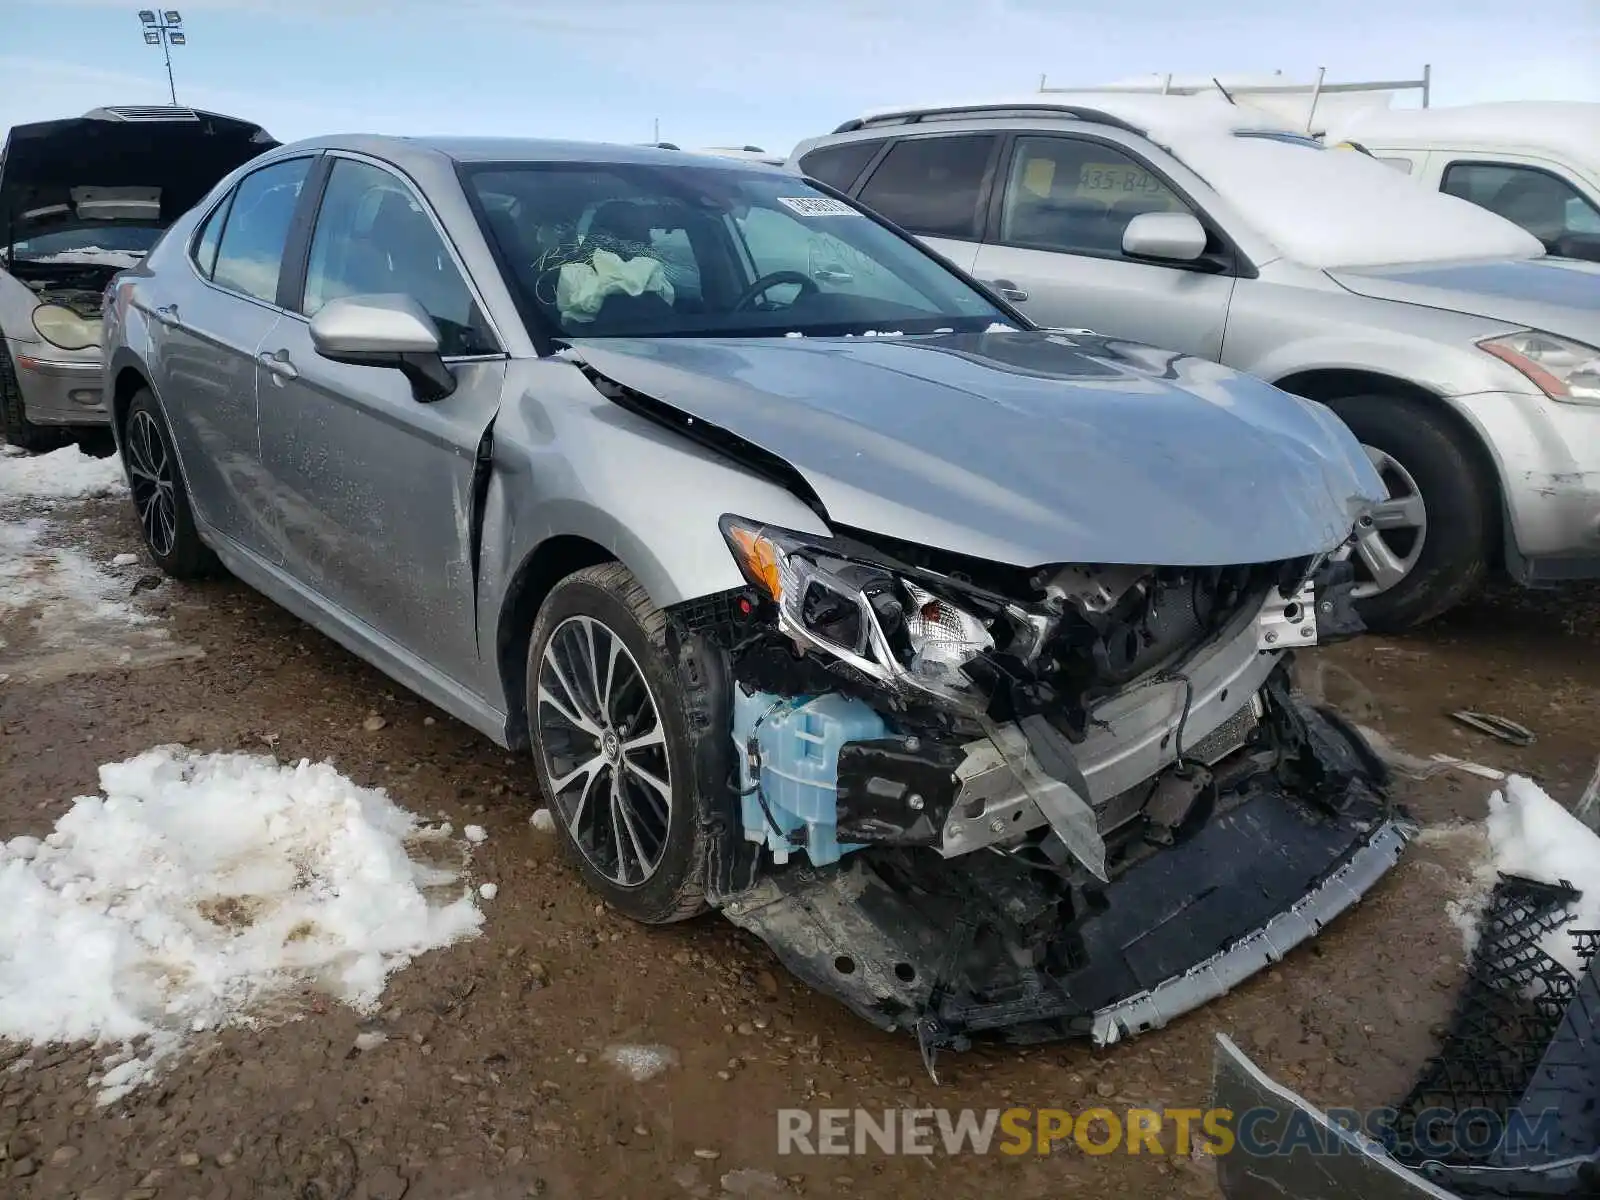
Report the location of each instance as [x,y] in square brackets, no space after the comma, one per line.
[486,1074]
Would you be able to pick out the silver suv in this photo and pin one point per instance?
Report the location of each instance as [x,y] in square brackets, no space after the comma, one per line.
[1461,356]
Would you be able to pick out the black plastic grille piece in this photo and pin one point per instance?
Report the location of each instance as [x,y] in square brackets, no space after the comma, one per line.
[1505,1017]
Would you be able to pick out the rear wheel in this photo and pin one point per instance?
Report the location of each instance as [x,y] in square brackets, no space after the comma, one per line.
[15,427]
[617,726]
[165,517]
[1427,546]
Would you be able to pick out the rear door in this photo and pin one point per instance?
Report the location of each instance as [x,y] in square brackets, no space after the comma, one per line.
[1055,247]
[374,489]
[208,325]
[936,186]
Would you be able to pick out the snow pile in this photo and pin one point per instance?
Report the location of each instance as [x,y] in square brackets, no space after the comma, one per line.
[65,474]
[641,1063]
[1532,835]
[198,888]
[1336,208]
[94,255]
[68,590]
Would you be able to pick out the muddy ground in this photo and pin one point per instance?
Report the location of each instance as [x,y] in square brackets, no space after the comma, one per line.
[491,1083]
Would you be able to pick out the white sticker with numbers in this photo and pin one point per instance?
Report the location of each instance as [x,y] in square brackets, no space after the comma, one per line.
[817,206]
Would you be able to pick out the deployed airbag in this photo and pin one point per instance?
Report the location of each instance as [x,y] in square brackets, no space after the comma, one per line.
[582,287]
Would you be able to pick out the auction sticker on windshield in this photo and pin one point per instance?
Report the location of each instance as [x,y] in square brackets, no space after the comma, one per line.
[816,206]
[1118,180]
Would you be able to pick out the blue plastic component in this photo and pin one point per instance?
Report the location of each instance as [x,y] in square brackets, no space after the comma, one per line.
[799,739]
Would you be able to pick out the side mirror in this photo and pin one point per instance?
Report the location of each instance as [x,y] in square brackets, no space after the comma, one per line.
[1165,237]
[385,331]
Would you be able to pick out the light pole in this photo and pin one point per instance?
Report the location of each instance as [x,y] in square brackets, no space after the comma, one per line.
[164,28]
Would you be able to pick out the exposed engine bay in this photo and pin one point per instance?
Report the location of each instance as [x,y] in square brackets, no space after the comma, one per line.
[1075,801]
[74,286]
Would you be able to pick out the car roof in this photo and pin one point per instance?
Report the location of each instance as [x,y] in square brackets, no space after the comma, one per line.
[469,150]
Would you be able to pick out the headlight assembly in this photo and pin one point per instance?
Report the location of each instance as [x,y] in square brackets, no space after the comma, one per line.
[1562,369]
[888,628]
[62,327]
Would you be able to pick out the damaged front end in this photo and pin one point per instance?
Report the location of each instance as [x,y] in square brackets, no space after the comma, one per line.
[1077,801]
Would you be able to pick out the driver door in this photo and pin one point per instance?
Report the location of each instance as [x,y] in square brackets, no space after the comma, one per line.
[373,488]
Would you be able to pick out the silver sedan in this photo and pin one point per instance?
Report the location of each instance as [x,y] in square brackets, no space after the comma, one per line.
[824,589]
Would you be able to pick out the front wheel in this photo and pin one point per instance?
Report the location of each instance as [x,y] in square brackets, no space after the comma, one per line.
[616,730]
[1427,546]
[15,427]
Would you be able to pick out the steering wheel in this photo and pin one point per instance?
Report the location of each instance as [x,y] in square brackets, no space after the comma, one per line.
[767,282]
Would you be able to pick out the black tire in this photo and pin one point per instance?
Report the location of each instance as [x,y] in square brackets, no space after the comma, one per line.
[15,427]
[171,539]
[691,710]
[1459,496]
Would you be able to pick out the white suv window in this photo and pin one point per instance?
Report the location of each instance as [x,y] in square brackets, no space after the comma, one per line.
[1543,203]
[1077,196]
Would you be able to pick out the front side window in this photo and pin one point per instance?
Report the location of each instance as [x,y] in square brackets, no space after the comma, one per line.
[373,238]
[1078,196]
[250,253]
[635,250]
[932,185]
[1546,205]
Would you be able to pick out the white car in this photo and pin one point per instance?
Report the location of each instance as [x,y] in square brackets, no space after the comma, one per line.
[1536,164]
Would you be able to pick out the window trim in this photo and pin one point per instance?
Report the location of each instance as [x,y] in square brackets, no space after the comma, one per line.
[1232,262]
[878,144]
[303,250]
[300,204]
[1502,165]
[987,181]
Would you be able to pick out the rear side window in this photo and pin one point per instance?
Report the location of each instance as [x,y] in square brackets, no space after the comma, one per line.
[251,252]
[932,185]
[838,166]
[205,245]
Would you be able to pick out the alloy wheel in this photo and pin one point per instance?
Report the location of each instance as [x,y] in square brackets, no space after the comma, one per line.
[151,476]
[1390,536]
[604,750]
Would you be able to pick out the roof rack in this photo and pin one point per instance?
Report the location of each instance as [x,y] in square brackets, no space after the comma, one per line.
[1012,108]
[1166,86]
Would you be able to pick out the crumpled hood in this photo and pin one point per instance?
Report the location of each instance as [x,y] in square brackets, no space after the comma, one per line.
[69,174]
[1557,295]
[1024,447]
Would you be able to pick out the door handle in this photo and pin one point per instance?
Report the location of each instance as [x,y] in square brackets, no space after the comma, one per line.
[278,363]
[1008,290]
[167,314]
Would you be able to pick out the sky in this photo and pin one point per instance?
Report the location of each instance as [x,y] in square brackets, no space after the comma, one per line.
[736,72]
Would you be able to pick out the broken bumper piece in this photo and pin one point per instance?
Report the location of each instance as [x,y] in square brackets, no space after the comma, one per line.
[1509,1106]
[988,943]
